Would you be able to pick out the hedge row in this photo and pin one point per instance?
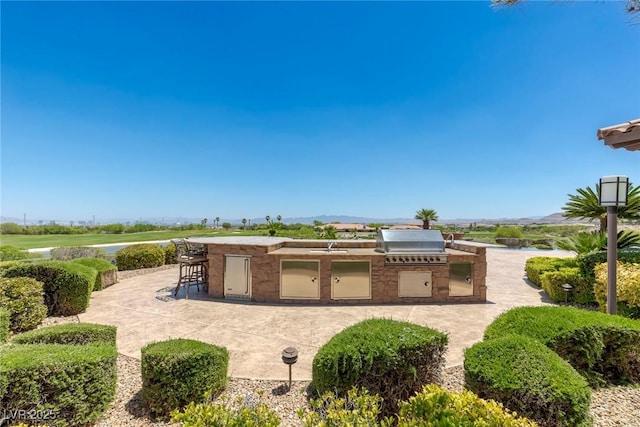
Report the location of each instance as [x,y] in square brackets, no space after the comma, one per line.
[536,266]
[587,263]
[528,378]
[582,289]
[601,347]
[67,286]
[68,253]
[107,272]
[390,358]
[71,385]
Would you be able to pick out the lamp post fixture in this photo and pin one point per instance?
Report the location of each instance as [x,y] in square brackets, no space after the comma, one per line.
[613,193]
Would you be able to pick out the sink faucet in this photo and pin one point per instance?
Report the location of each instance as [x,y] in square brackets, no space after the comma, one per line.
[450,237]
[330,245]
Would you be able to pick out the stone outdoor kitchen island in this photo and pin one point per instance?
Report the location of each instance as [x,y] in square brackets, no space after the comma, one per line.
[401,266]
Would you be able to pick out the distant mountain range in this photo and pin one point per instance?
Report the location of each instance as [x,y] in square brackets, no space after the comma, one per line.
[555,218]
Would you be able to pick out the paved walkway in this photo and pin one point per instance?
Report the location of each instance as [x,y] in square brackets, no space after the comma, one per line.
[144,311]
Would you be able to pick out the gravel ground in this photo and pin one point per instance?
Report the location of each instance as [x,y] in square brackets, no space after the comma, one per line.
[615,406]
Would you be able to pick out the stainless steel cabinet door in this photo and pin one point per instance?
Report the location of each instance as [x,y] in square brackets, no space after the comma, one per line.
[300,279]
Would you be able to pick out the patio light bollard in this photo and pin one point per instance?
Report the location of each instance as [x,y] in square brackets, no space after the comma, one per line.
[566,288]
[289,357]
[612,194]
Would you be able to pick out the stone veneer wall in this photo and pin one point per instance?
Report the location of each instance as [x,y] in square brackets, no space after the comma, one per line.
[265,270]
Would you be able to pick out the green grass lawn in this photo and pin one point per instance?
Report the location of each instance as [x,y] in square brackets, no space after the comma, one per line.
[57,240]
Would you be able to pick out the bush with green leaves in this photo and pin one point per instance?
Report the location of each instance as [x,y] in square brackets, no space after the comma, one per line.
[536,266]
[67,253]
[210,415]
[12,253]
[138,256]
[179,371]
[582,289]
[528,378]
[357,408]
[75,383]
[587,263]
[107,272]
[602,348]
[387,357]
[508,232]
[67,286]
[434,407]
[627,288]
[71,333]
[23,298]
[4,324]
[170,256]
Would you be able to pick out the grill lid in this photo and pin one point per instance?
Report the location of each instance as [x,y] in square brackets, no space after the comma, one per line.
[410,241]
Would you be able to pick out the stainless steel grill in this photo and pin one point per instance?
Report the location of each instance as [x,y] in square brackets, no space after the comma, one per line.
[411,247]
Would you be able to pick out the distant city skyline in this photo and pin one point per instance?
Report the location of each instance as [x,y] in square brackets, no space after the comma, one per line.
[373,109]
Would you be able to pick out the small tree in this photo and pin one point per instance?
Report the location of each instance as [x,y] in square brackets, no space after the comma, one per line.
[226,225]
[244,222]
[203,222]
[426,216]
[217,221]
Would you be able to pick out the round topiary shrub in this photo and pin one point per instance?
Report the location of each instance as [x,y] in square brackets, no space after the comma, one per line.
[436,406]
[390,358]
[179,371]
[71,333]
[140,256]
[24,299]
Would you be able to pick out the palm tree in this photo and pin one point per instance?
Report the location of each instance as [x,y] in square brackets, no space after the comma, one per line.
[217,221]
[204,222]
[426,215]
[279,218]
[585,205]
[268,218]
[244,222]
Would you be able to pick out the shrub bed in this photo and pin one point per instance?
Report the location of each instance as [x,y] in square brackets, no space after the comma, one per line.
[627,288]
[435,406]
[74,384]
[179,371]
[387,357]
[587,263]
[107,272]
[528,378]
[209,415]
[4,325]
[356,408]
[601,347]
[170,255]
[582,292]
[536,266]
[67,286]
[138,256]
[72,333]
[23,298]
[68,253]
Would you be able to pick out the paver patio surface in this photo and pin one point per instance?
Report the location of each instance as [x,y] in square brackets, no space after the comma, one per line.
[143,309]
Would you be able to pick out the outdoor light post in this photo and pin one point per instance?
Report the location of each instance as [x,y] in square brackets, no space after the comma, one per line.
[613,193]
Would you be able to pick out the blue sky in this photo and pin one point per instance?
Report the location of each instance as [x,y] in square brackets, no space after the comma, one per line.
[205,109]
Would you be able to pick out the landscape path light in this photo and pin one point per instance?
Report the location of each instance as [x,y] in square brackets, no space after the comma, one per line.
[612,194]
[289,357]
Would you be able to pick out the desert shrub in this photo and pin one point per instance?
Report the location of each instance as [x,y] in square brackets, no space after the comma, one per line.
[587,263]
[582,292]
[72,333]
[435,406]
[602,348]
[387,357]
[357,408]
[536,266]
[67,286]
[204,414]
[509,232]
[138,256]
[528,378]
[12,253]
[179,371]
[73,383]
[23,298]
[67,253]
[4,324]
[107,272]
[170,254]
[627,288]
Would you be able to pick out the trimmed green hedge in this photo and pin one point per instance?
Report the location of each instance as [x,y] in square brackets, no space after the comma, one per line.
[179,371]
[23,297]
[107,272]
[4,325]
[170,255]
[599,346]
[67,286]
[528,378]
[582,292]
[143,255]
[387,357]
[71,333]
[536,266]
[587,263]
[74,383]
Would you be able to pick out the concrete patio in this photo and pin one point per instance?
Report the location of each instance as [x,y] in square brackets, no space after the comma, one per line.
[144,310]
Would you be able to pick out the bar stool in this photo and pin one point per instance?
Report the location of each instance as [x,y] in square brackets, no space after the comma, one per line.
[193,265]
